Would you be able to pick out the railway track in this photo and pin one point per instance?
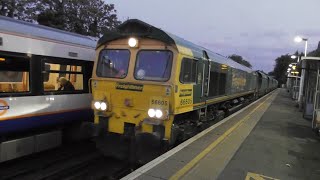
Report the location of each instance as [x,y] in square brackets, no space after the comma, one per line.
[71,162]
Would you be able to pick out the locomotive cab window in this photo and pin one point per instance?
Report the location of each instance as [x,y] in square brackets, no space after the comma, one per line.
[188,72]
[14,74]
[113,63]
[152,65]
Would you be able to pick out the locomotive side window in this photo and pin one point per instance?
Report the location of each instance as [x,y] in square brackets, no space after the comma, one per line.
[63,77]
[14,74]
[218,80]
[113,63]
[188,72]
[214,83]
[153,65]
[222,83]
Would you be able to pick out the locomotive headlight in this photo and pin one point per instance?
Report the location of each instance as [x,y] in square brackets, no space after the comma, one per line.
[103,106]
[97,105]
[100,105]
[159,113]
[133,42]
[152,113]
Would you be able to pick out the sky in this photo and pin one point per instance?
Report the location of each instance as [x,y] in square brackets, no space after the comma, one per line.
[258,30]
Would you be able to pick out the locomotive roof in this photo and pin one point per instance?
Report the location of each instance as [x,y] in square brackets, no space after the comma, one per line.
[135,27]
[34,30]
[264,75]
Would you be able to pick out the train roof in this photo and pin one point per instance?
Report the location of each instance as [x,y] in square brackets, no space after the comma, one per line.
[11,25]
[135,27]
[264,75]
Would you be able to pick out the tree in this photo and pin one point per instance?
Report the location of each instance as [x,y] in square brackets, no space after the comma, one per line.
[51,13]
[15,8]
[315,53]
[87,17]
[271,73]
[240,60]
[280,69]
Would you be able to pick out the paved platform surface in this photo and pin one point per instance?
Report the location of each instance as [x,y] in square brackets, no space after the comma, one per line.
[267,140]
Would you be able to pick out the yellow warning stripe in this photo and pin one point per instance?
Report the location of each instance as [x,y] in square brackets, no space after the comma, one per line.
[201,155]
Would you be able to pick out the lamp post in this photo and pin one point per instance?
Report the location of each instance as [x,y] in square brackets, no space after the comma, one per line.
[299,39]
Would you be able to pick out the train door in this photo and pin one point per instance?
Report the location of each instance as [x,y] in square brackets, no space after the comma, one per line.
[198,88]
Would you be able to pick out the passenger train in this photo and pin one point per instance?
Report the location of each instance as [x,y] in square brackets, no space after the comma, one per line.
[152,89]
[34,113]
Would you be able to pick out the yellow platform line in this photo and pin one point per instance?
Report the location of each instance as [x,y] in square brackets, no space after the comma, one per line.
[200,156]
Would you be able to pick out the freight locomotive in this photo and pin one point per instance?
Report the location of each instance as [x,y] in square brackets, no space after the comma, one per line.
[152,89]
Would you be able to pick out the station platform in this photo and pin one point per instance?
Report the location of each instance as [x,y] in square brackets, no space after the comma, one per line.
[266,140]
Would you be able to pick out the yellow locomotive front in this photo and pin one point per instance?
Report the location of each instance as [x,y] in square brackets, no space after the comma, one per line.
[132,88]
[152,89]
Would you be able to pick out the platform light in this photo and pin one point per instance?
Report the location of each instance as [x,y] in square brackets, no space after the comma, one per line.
[290,65]
[293,56]
[133,42]
[152,113]
[294,67]
[298,39]
[289,69]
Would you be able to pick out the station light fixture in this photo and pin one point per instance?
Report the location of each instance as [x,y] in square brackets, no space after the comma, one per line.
[294,67]
[293,56]
[290,65]
[298,39]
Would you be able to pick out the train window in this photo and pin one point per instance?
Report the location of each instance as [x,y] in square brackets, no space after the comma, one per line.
[222,83]
[63,68]
[214,83]
[47,68]
[188,71]
[62,77]
[14,75]
[153,65]
[113,63]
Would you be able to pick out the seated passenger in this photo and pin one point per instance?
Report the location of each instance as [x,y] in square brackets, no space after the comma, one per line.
[65,85]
